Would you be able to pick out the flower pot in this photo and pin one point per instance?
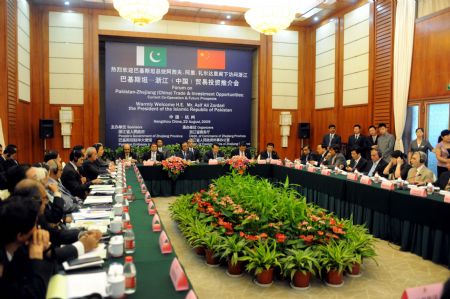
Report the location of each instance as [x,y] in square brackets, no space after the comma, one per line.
[210,258]
[265,277]
[301,280]
[237,269]
[335,278]
[200,250]
[356,270]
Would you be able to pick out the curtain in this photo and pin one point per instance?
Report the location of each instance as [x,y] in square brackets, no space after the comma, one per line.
[426,7]
[403,48]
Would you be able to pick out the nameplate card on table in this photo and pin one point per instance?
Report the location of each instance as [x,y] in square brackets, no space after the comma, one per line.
[164,243]
[191,295]
[325,171]
[149,163]
[151,208]
[178,276]
[289,164]
[447,198]
[213,162]
[311,169]
[262,162]
[432,291]
[388,185]
[416,191]
[298,166]
[365,180]
[148,198]
[352,176]
[156,224]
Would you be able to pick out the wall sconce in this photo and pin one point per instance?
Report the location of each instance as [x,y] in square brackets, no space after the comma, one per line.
[66,120]
[285,127]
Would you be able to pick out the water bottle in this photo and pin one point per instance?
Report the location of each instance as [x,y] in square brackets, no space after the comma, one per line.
[129,240]
[129,271]
[125,220]
[430,188]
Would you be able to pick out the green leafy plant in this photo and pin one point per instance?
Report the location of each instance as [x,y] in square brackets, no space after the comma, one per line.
[197,233]
[361,242]
[300,260]
[232,248]
[211,241]
[337,256]
[262,257]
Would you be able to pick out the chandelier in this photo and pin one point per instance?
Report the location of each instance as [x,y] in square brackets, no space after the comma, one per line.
[142,12]
[271,16]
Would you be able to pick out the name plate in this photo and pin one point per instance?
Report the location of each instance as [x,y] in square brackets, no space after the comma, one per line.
[191,295]
[149,163]
[156,224]
[274,162]
[432,291]
[178,277]
[387,185]
[325,171]
[365,180]
[289,164]
[164,243]
[352,176]
[421,192]
[151,208]
[261,161]
[311,169]
[213,162]
[447,198]
[298,166]
[148,198]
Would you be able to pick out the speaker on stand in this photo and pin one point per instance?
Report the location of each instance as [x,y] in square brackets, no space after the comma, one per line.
[46,130]
[304,131]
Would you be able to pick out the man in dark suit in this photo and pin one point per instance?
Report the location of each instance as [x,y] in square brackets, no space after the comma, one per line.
[193,150]
[153,154]
[72,179]
[331,138]
[322,152]
[162,149]
[269,153]
[334,158]
[214,153]
[371,141]
[356,140]
[377,165]
[9,157]
[90,167]
[242,150]
[127,154]
[357,163]
[307,155]
[184,153]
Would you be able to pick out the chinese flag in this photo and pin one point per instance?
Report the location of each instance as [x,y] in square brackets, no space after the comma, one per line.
[210,59]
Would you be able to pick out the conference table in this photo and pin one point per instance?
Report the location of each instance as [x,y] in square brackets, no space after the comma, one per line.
[416,224]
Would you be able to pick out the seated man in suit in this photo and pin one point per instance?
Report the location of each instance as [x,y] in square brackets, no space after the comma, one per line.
[356,140]
[444,179]
[331,138]
[153,155]
[242,150]
[9,157]
[162,149]
[127,154]
[419,174]
[377,164]
[322,152]
[71,203]
[398,167]
[357,163]
[90,166]
[334,158]
[193,149]
[269,153]
[102,163]
[72,179]
[307,156]
[214,153]
[184,153]
[25,272]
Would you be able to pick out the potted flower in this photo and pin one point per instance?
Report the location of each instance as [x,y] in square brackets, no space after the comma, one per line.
[263,258]
[211,242]
[232,249]
[362,244]
[335,258]
[300,265]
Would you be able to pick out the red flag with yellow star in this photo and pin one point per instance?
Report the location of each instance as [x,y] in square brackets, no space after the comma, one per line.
[210,59]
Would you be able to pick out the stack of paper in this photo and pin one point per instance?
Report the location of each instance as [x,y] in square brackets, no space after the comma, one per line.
[93,199]
[102,187]
[81,285]
[91,214]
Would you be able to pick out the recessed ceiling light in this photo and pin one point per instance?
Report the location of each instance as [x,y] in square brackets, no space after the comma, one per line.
[316,19]
[66,3]
[228,17]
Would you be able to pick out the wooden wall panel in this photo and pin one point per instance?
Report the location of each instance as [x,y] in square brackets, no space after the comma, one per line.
[24,140]
[430,73]
[11,69]
[3,74]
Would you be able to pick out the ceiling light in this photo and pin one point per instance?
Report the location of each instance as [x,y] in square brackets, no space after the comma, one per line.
[228,17]
[142,12]
[67,3]
[311,12]
[316,19]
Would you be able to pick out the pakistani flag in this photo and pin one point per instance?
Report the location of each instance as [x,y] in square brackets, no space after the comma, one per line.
[151,56]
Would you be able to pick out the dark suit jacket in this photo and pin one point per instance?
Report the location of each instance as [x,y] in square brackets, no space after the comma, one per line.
[321,158]
[443,180]
[236,151]
[361,143]
[187,156]
[336,140]
[91,170]
[24,278]
[8,164]
[337,161]
[54,211]
[361,166]
[148,155]
[309,157]
[369,144]
[209,155]
[196,153]
[122,156]
[264,155]
[102,165]
[71,179]
[380,167]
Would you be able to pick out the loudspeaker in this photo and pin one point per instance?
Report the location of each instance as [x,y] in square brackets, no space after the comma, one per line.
[304,130]
[46,128]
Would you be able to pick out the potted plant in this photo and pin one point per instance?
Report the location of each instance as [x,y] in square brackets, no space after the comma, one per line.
[211,242]
[335,258]
[262,259]
[300,265]
[362,244]
[232,249]
[196,234]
